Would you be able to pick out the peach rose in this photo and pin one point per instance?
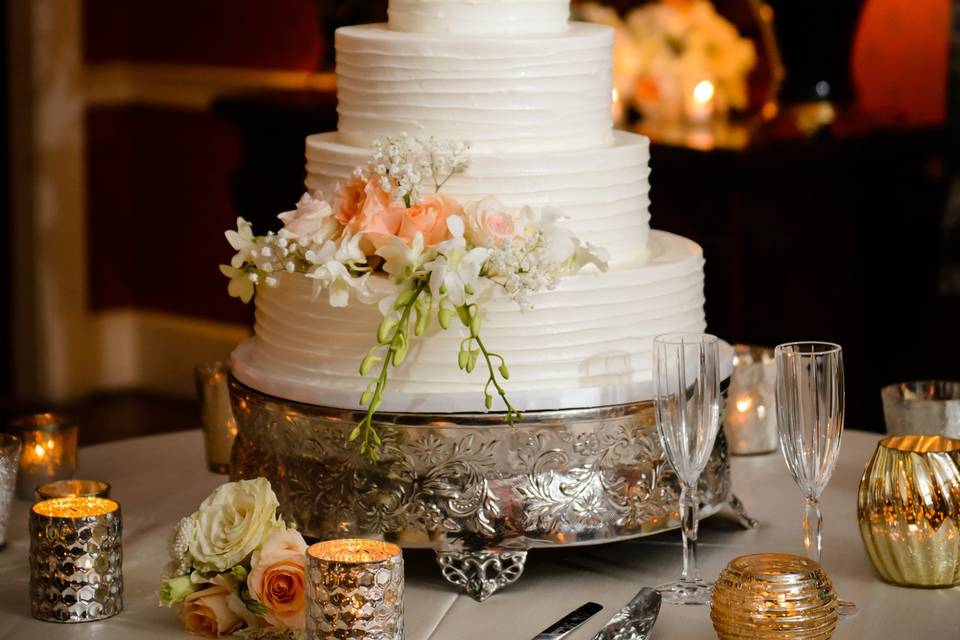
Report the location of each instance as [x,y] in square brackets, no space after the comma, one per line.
[429,218]
[367,210]
[207,612]
[489,223]
[276,579]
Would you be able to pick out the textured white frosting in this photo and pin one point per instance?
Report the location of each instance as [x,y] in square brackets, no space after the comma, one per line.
[586,343]
[479,17]
[603,192]
[531,93]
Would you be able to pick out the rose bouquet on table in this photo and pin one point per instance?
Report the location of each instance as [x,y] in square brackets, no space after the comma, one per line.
[236,567]
[442,259]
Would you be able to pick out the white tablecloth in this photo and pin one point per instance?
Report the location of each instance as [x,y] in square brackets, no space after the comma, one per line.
[160,478]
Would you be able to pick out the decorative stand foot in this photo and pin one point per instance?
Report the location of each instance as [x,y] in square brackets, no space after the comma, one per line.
[741,512]
[481,573]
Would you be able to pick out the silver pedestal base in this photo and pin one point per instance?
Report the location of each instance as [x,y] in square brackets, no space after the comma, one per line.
[477,491]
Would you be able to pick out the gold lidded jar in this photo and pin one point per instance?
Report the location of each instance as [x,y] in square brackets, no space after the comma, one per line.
[909,510]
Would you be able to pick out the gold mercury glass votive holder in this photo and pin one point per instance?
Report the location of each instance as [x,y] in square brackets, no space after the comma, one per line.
[49,450]
[68,488]
[908,506]
[354,590]
[76,559]
[773,595]
[216,414]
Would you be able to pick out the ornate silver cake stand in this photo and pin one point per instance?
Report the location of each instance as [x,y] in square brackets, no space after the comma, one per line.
[477,491]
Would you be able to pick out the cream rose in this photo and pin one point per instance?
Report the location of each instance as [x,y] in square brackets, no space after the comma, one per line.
[207,612]
[276,579]
[233,521]
[313,218]
[489,223]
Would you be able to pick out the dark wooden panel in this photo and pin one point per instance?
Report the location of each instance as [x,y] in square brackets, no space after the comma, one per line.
[159,200]
[281,34]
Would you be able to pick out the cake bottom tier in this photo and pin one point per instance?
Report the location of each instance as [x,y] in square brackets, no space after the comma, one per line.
[586,343]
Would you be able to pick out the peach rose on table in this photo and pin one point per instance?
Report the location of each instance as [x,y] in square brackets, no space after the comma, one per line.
[207,612]
[489,223]
[276,579]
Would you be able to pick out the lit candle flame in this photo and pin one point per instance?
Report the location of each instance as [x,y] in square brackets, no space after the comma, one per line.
[39,450]
[616,95]
[703,92]
[744,404]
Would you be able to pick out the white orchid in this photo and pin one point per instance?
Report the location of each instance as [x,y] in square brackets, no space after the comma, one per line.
[401,260]
[455,272]
[241,285]
[339,282]
[243,242]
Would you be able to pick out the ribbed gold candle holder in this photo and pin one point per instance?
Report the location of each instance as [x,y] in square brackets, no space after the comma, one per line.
[70,488]
[909,510]
[773,595]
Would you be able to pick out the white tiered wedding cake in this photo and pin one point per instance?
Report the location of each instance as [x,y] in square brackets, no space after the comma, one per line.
[531,92]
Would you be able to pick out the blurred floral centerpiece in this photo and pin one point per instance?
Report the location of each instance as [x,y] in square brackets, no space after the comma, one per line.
[677,59]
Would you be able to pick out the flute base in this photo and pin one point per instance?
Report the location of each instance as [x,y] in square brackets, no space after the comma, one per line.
[680,592]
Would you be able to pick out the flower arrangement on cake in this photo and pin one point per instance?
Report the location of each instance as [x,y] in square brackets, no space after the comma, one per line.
[236,567]
[444,259]
[664,49]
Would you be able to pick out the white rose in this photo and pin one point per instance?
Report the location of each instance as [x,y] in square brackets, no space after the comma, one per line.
[232,522]
[489,223]
[313,218]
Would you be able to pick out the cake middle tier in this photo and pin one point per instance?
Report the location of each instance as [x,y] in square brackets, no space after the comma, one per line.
[604,193]
[520,93]
[586,343]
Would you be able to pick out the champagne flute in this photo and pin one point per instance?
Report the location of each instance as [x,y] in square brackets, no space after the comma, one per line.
[686,378]
[810,406]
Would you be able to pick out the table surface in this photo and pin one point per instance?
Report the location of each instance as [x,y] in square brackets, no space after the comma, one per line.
[158,479]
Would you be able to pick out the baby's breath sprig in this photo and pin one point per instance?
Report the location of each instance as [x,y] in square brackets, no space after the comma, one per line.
[404,163]
[471,348]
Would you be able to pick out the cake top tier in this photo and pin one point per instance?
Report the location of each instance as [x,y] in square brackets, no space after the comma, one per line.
[479,17]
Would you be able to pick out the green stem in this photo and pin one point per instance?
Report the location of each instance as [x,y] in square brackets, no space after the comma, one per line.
[371,441]
[512,413]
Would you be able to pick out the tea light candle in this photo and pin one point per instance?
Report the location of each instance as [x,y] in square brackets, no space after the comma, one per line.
[699,102]
[354,590]
[49,450]
[750,421]
[75,559]
[67,488]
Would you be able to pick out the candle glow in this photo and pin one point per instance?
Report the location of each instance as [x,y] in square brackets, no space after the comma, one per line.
[702,92]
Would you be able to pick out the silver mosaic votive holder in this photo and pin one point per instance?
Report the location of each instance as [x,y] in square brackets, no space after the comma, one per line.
[354,590]
[216,415]
[9,462]
[922,407]
[75,559]
[70,488]
[49,450]
[750,421]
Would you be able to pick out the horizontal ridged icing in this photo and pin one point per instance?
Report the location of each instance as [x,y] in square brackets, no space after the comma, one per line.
[587,342]
[479,17]
[603,192]
[532,93]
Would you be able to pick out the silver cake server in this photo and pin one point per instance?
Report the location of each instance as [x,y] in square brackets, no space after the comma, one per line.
[635,620]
